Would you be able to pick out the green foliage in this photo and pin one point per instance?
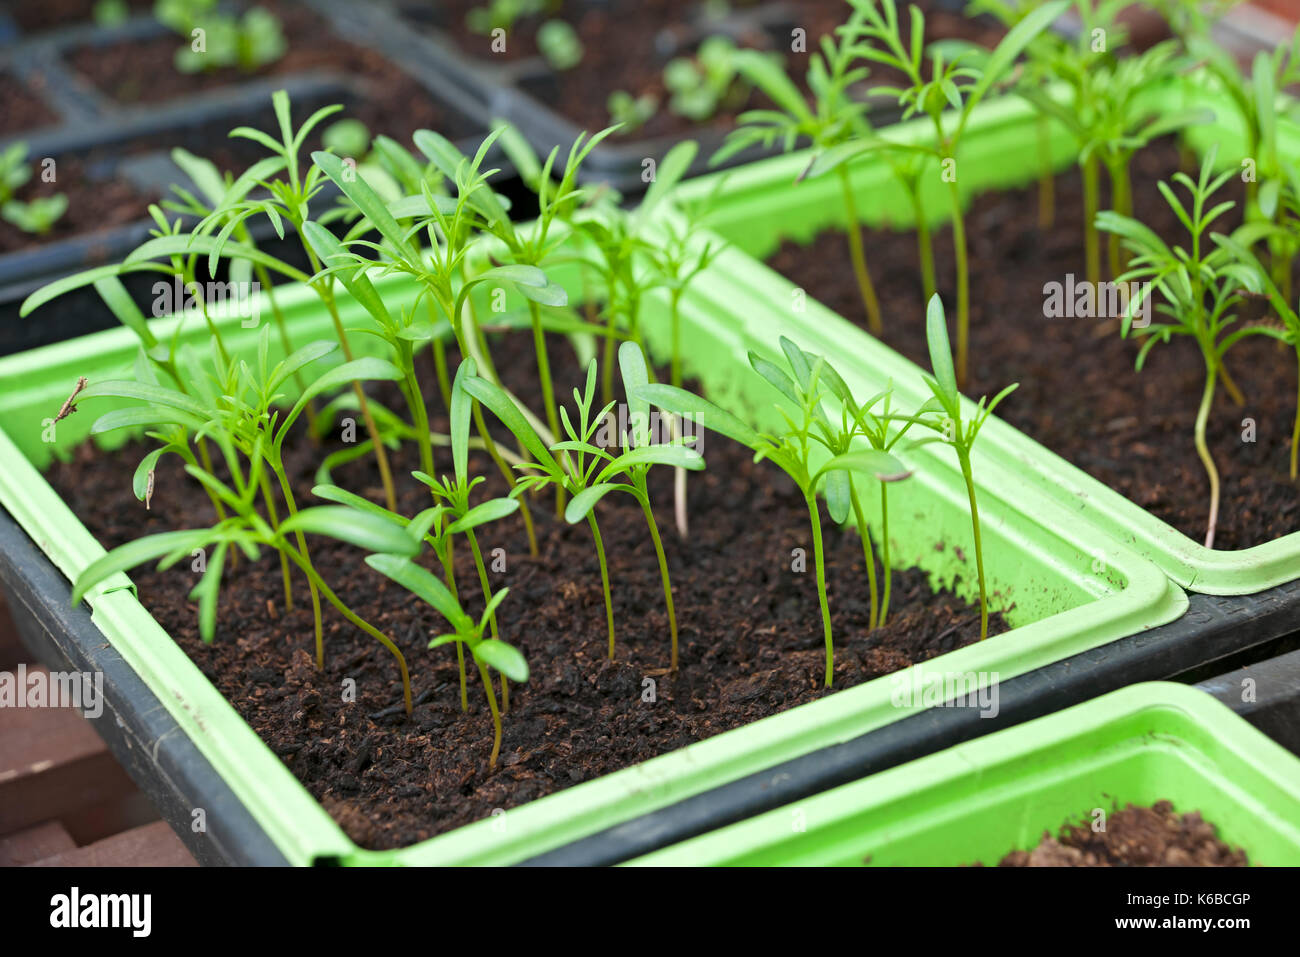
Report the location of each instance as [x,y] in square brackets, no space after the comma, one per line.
[37,215]
[629,113]
[503,14]
[215,39]
[701,85]
[808,384]
[943,415]
[559,45]
[1200,286]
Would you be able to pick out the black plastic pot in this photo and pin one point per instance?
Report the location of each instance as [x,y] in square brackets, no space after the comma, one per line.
[1212,629]
[133,143]
[1267,694]
[159,757]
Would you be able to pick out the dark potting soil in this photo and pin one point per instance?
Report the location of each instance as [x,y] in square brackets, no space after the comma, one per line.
[391,102]
[23,108]
[1080,394]
[94,204]
[1153,836]
[34,16]
[750,636]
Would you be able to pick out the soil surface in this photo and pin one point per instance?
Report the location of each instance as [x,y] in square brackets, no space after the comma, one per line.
[627,47]
[34,16]
[1135,837]
[1080,394]
[391,101]
[23,108]
[94,203]
[749,634]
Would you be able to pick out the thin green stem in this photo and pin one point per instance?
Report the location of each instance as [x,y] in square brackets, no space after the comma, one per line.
[1091,242]
[496,716]
[1202,449]
[1122,203]
[868,553]
[604,579]
[292,506]
[449,572]
[269,498]
[675,369]
[886,568]
[663,567]
[924,243]
[381,453]
[964,457]
[858,256]
[548,392]
[814,516]
[963,282]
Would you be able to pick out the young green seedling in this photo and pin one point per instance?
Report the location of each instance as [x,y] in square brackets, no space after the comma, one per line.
[945,417]
[1200,287]
[532,245]
[792,451]
[248,42]
[486,652]
[701,85]
[629,113]
[450,225]
[235,407]
[834,118]
[289,201]
[959,84]
[559,45]
[584,467]
[840,440]
[455,492]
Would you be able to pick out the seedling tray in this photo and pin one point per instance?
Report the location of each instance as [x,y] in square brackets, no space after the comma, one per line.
[521,90]
[1042,568]
[760,208]
[132,143]
[978,801]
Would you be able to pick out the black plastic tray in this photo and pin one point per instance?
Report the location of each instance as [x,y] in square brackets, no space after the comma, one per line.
[1267,694]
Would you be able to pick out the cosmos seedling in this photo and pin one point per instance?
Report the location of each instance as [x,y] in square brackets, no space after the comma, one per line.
[701,85]
[792,450]
[946,419]
[246,42]
[589,471]
[958,85]
[235,407]
[834,118]
[36,216]
[1200,287]
[559,45]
